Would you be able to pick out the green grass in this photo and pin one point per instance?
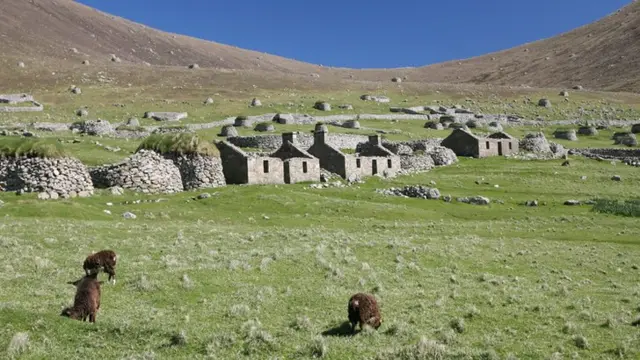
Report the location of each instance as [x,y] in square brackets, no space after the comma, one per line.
[29,147]
[180,143]
[263,271]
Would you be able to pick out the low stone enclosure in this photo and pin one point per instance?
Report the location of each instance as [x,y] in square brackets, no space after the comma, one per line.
[16,99]
[464,143]
[64,177]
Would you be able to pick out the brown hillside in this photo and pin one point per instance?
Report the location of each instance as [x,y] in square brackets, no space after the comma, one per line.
[52,28]
[601,55]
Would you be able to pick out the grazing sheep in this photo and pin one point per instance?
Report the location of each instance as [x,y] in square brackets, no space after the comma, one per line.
[87,300]
[105,259]
[363,309]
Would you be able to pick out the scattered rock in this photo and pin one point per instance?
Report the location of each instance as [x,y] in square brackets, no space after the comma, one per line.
[82,112]
[43,196]
[578,87]
[76,90]
[572,202]
[433,125]
[256,102]
[165,116]
[544,103]
[21,64]
[209,101]
[396,80]
[116,190]
[194,66]
[616,178]
[475,200]
[133,122]
[531,203]
[416,191]
[86,62]
[346,107]
[564,93]
[129,215]
[203,196]
[376,98]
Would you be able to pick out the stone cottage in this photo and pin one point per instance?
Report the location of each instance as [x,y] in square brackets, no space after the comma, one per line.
[287,165]
[298,164]
[464,143]
[372,160]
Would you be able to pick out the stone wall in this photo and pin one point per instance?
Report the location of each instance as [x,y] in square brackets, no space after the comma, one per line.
[198,171]
[305,141]
[64,176]
[145,171]
[301,169]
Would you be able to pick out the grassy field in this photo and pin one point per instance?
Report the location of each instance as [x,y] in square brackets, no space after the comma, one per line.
[265,272]
[118,103]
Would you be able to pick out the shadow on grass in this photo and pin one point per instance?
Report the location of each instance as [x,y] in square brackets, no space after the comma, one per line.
[342,330]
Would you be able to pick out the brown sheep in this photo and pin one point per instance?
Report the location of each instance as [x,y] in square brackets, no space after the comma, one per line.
[87,300]
[105,259]
[363,309]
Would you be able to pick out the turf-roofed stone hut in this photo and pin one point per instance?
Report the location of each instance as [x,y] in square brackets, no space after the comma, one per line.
[197,160]
[34,165]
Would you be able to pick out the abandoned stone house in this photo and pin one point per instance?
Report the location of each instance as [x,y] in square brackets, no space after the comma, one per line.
[287,165]
[464,143]
[373,160]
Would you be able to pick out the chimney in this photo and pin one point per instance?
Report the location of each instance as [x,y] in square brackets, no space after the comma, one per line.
[320,134]
[290,137]
[375,140]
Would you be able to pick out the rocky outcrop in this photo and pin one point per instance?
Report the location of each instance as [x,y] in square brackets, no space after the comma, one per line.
[535,143]
[145,171]
[93,127]
[62,176]
[442,156]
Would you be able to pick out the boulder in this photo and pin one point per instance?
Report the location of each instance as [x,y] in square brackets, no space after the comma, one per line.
[256,102]
[351,124]
[544,103]
[587,131]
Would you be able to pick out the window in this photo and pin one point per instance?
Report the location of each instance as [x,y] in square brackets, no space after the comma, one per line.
[358,164]
[510,147]
[488,147]
[389,163]
[304,167]
[265,166]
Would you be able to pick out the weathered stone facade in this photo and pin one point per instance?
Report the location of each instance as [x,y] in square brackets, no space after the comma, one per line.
[298,164]
[273,142]
[63,176]
[145,171]
[464,143]
[373,158]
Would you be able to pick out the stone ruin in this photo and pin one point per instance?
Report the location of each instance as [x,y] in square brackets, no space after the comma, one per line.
[16,99]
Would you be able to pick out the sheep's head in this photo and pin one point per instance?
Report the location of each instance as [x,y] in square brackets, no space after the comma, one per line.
[70,313]
[375,322]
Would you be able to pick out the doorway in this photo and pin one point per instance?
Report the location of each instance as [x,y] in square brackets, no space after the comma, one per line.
[500,148]
[374,167]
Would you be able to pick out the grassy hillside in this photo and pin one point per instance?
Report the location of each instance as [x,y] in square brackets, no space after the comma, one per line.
[217,278]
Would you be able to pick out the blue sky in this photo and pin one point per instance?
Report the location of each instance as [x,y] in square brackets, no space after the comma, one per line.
[365,34]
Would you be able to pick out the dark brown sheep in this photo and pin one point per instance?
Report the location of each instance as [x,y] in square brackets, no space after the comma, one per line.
[105,259]
[363,309]
[87,300]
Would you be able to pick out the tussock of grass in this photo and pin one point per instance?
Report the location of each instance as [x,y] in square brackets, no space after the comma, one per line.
[182,143]
[29,147]
[629,208]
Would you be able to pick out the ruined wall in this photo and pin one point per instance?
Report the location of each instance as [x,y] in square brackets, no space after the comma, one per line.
[64,176]
[329,158]
[301,169]
[198,171]
[265,170]
[234,163]
[145,172]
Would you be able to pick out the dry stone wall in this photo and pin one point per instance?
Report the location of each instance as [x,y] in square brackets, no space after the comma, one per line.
[145,171]
[273,142]
[63,176]
[198,171]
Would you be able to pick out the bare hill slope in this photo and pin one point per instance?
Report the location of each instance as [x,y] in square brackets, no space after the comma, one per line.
[53,28]
[601,55]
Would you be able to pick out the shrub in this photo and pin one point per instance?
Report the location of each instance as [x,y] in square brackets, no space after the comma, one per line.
[181,143]
[32,148]
[630,208]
